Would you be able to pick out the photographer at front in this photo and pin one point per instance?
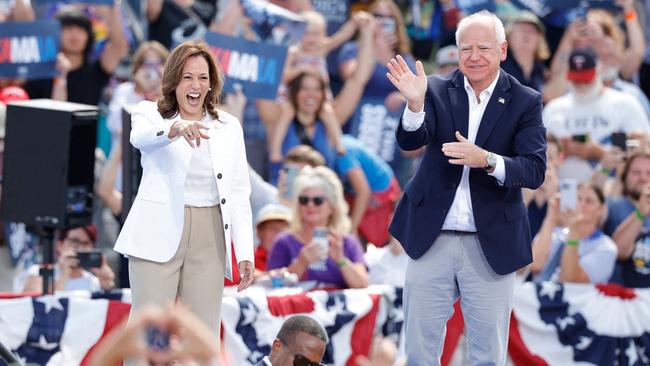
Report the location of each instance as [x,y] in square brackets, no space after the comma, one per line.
[318,246]
[570,247]
[70,272]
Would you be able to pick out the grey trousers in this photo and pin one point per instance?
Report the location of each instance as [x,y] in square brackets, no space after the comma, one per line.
[195,274]
[455,266]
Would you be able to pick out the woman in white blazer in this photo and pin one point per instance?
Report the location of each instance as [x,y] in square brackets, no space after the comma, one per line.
[193,200]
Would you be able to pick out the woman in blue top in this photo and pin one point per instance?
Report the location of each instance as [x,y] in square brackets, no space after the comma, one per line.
[308,117]
[570,247]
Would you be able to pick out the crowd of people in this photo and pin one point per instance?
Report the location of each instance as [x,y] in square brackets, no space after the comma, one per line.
[325,173]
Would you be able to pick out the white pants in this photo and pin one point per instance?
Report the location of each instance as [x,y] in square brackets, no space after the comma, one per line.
[455,266]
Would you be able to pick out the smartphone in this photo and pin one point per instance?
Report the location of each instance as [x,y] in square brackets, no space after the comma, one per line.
[580,138]
[632,144]
[619,140]
[320,236]
[90,258]
[568,189]
[290,174]
[157,338]
[388,25]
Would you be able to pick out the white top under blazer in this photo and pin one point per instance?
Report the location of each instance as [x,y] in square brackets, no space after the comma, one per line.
[153,228]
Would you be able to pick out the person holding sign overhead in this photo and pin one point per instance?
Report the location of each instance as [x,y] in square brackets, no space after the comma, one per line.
[193,200]
[462,219]
[81,79]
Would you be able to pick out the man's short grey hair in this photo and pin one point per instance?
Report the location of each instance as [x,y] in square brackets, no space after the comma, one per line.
[301,323]
[499,30]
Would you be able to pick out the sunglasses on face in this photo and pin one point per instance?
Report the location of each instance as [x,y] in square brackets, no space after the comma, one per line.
[317,200]
[300,360]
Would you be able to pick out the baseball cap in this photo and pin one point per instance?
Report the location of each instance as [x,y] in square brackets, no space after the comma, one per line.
[12,94]
[447,55]
[525,16]
[582,65]
[273,211]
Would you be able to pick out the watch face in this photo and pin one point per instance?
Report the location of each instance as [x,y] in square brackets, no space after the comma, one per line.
[492,160]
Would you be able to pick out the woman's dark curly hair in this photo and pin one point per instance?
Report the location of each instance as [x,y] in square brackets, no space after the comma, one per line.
[168,104]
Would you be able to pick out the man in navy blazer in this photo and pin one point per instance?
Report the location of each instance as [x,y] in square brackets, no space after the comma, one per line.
[462,219]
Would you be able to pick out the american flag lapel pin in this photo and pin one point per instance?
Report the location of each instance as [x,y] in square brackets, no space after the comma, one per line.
[502,101]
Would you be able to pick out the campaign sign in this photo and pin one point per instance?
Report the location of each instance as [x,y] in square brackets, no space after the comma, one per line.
[473,6]
[374,125]
[90,2]
[334,11]
[28,50]
[256,66]
[542,8]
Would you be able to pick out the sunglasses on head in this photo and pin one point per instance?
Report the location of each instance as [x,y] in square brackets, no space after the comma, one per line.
[317,200]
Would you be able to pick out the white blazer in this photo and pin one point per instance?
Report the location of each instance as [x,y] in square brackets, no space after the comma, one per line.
[153,228]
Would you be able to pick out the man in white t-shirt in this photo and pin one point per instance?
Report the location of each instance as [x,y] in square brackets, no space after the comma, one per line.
[584,119]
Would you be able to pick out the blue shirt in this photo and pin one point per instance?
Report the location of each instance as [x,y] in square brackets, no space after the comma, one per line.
[357,155]
[618,210]
[319,142]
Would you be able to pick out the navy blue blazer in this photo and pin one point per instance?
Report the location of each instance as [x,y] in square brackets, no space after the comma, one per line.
[511,127]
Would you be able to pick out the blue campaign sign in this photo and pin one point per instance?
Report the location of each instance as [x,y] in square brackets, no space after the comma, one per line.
[542,8]
[334,11]
[472,6]
[28,50]
[90,2]
[256,66]
[375,125]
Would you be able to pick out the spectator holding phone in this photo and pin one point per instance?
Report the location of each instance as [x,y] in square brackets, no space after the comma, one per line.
[147,63]
[318,205]
[570,247]
[69,272]
[584,119]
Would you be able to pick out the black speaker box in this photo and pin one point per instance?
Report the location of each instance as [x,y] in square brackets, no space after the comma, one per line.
[131,167]
[49,163]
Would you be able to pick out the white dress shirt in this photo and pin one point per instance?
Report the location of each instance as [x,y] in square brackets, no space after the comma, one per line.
[460,215]
[200,183]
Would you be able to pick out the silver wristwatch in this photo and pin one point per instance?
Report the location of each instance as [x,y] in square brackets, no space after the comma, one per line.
[491,160]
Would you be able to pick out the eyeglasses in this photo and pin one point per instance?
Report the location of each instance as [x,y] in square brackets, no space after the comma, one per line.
[317,200]
[79,243]
[300,360]
[383,16]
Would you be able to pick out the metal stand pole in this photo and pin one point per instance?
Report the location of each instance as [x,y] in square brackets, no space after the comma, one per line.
[47,265]
[7,356]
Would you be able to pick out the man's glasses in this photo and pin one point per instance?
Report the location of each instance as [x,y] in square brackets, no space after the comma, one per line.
[300,360]
[317,200]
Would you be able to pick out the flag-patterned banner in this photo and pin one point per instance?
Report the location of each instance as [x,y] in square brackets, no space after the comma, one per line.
[551,324]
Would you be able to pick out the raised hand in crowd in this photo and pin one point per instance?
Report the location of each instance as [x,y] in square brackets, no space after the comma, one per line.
[148,80]
[612,161]
[247,273]
[21,11]
[104,274]
[589,150]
